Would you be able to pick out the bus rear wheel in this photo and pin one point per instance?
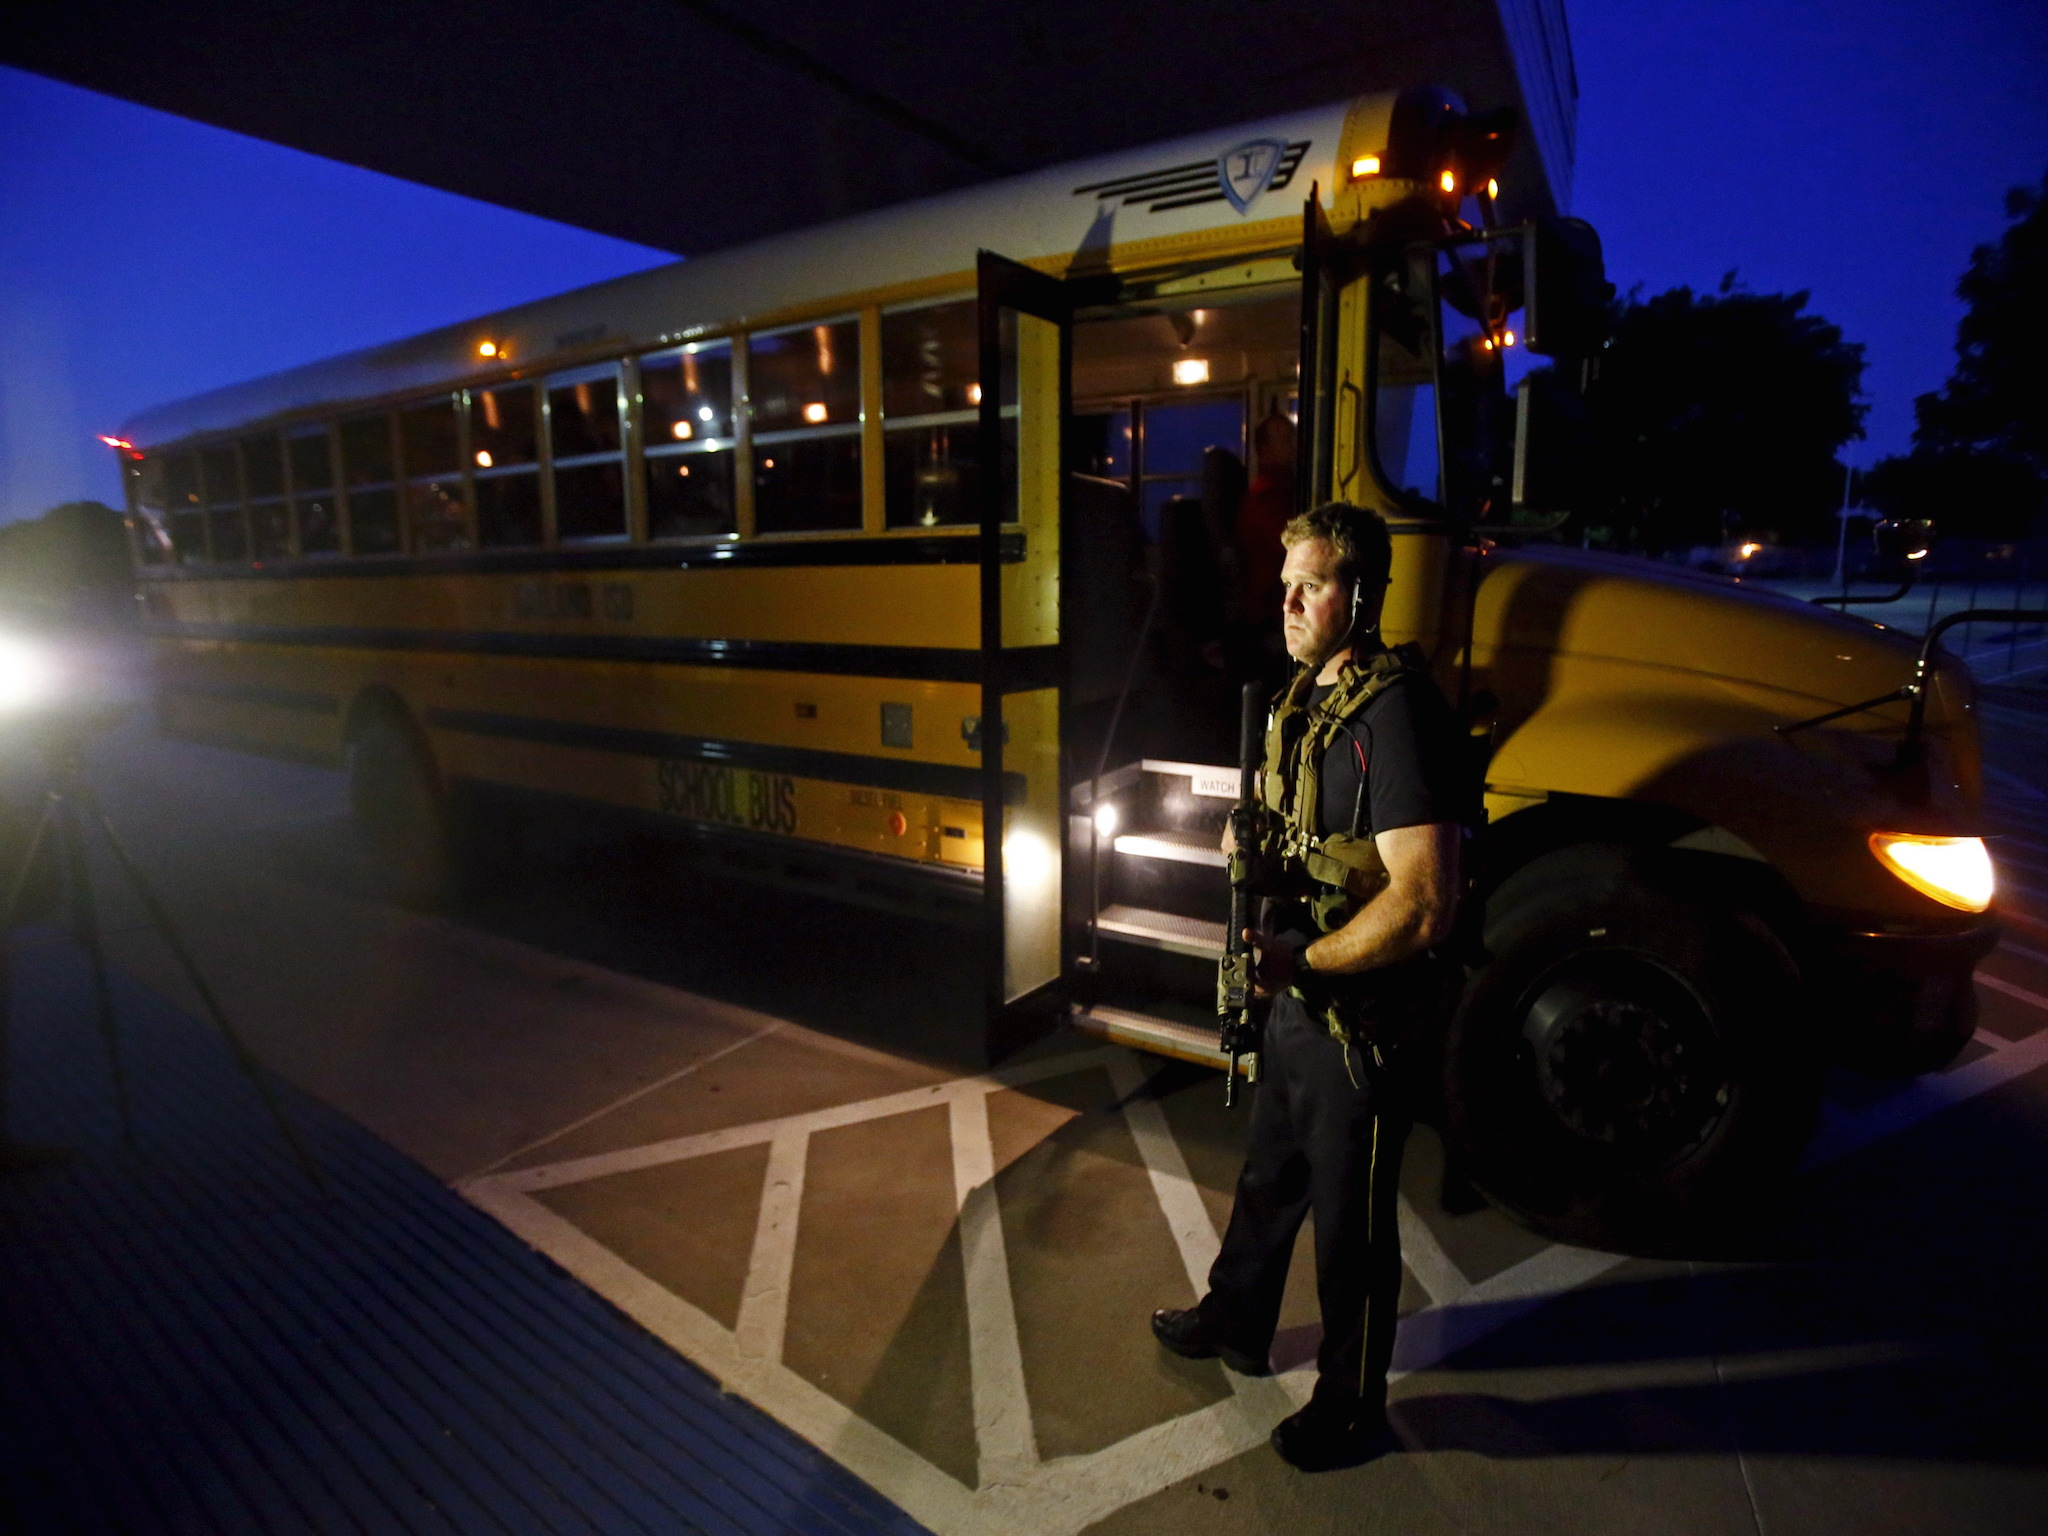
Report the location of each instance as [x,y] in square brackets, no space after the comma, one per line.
[1626,1072]
[400,813]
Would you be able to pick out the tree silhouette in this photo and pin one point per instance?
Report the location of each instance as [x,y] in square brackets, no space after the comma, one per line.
[1979,464]
[1721,413]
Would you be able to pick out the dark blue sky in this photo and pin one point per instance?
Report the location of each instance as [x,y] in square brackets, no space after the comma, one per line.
[1856,148]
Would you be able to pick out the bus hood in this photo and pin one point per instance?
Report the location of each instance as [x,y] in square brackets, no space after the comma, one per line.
[1608,672]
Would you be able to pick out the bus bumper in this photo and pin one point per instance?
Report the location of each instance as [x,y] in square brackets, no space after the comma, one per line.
[1899,1003]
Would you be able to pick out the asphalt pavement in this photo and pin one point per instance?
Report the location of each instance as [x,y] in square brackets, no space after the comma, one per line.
[761,1127]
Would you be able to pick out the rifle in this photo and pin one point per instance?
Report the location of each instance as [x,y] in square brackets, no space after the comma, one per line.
[1235,1002]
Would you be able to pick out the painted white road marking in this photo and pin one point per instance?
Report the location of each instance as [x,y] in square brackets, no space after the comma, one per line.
[1427,1261]
[1999,984]
[627,1098]
[1002,1407]
[1927,1096]
[1172,1186]
[764,1299]
[1017,1492]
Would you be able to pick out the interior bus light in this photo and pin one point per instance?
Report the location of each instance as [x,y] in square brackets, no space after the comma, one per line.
[1507,338]
[1916,554]
[483,458]
[1748,550]
[684,430]
[1492,189]
[974,394]
[1106,819]
[1366,165]
[487,349]
[815,412]
[1448,181]
[1191,370]
[705,413]
[1955,871]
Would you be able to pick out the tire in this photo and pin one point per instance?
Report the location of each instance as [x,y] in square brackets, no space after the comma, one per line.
[400,813]
[1627,1071]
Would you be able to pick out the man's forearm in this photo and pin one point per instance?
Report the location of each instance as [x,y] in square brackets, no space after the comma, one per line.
[1411,914]
[1390,927]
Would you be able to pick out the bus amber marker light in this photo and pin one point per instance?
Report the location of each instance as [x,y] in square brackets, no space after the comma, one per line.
[1955,871]
[1366,165]
[487,349]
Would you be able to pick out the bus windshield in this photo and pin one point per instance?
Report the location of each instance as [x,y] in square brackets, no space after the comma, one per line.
[1447,354]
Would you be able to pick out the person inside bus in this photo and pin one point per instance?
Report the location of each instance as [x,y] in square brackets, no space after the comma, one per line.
[1364,782]
[1261,516]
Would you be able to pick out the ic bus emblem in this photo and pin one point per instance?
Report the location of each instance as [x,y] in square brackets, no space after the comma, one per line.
[1239,175]
[1247,169]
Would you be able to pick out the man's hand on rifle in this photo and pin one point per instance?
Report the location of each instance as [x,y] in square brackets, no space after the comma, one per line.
[1277,960]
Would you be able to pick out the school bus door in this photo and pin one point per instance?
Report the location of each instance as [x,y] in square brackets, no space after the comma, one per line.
[1026,321]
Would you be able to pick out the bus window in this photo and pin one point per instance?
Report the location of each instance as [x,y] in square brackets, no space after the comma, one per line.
[1404,441]
[270,524]
[311,458]
[1176,433]
[1100,445]
[145,477]
[804,389]
[586,445]
[931,393]
[430,458]
[687,414]
[368,468]
[504,441]
[181,494]
[1479,315]
[221,473]
[429,439]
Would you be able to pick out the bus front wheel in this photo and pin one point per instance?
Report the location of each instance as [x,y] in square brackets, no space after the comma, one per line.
[400,813]
[1626,1072]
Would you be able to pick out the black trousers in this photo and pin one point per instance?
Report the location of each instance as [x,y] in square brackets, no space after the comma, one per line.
[1325,1137]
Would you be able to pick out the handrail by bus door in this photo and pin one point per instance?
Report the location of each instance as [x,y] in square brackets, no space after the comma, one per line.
[1026,345]
[1316,394]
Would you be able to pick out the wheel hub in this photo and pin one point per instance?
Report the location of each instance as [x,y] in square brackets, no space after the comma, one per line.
[1627,1059]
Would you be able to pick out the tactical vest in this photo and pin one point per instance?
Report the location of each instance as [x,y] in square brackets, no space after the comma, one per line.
[1344,870]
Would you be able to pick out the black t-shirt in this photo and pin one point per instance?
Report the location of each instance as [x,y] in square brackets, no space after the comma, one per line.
[1409,743]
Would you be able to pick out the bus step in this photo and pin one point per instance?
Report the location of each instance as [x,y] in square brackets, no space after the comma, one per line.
[1148,1032]
[1178,847]
[1163,930]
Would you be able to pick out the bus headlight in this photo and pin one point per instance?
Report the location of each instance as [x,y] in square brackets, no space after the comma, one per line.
[26,675]
[1955,871]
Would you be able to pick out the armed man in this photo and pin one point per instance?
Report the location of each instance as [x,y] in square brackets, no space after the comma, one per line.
[1361,826]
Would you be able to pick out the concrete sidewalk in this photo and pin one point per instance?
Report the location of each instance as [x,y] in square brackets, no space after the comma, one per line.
[194,1338]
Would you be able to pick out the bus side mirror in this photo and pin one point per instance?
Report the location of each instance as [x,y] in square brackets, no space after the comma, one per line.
[1552,445]
[1900,539]
[1569,298]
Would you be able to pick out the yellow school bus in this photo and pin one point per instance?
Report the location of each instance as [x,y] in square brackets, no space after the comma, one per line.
[915,558]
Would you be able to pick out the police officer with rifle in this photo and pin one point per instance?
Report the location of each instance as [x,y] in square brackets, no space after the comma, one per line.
[1354,844]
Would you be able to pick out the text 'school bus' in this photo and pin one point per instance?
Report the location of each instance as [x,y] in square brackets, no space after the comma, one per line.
[849,550]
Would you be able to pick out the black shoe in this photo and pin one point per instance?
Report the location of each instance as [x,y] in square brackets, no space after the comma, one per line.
[1322,1439]
[1186,1333]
